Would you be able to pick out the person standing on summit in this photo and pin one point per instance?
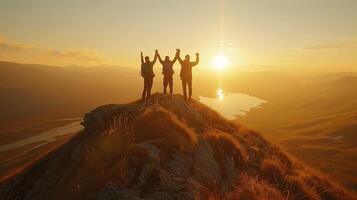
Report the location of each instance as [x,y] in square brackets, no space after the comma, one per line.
[186,74]
[148,74]
[167,71]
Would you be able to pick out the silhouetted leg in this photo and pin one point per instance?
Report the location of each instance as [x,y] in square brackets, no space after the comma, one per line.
[184,89]
[165,84]
[171,84]
[150,81]
[189,83]
[144,90]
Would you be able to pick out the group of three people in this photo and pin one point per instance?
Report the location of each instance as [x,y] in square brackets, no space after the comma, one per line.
[167,70]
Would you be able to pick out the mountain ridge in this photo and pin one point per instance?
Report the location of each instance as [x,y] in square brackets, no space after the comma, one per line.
[167,149]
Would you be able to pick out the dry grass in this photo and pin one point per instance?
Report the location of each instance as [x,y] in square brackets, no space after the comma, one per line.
[302,182]
[249,188]
[299,190]
[274,172]
[172,132]
[226,145]
[196,115]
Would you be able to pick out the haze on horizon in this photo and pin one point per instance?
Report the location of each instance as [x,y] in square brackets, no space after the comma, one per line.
[304,34]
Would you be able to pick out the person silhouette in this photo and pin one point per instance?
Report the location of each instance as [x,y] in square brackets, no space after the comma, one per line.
[186,74]
[167,71]
[148,74]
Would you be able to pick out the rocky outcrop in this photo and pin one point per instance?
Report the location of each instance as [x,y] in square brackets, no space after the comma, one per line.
[112,192]
[167,149]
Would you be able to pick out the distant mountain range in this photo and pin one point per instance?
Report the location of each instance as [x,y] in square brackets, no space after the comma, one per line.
[30,91]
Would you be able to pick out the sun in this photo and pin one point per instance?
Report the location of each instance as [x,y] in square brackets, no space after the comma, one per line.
[220,62]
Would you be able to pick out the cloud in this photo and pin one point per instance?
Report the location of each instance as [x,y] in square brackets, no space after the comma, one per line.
[12,45]
[332,46]
[84,55]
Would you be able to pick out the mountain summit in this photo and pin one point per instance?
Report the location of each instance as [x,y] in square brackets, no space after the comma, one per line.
[168,149]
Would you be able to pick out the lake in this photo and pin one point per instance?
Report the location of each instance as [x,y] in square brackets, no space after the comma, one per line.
[231,105]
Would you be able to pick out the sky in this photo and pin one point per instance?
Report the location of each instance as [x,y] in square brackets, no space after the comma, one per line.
[296,34]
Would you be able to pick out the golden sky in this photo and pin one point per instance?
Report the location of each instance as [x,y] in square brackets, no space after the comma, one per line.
[268,33]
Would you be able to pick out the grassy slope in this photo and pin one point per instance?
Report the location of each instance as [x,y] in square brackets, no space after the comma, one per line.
[166,150]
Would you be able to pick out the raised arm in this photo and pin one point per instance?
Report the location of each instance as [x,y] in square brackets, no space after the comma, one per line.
[177,55]
[159,57]
[155,57]
[197,60]
[142,57]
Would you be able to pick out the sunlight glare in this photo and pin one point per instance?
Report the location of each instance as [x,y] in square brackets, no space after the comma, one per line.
[220,62]
[220,94]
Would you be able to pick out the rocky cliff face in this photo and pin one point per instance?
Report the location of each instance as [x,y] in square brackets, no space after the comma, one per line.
[168,149]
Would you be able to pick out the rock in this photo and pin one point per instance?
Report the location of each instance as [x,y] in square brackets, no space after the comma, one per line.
[148,149]
[112,192]
[180,164]
[99,118]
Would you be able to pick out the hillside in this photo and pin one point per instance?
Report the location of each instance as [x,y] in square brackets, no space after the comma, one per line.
[315,121]
[25,99]
[168,149]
